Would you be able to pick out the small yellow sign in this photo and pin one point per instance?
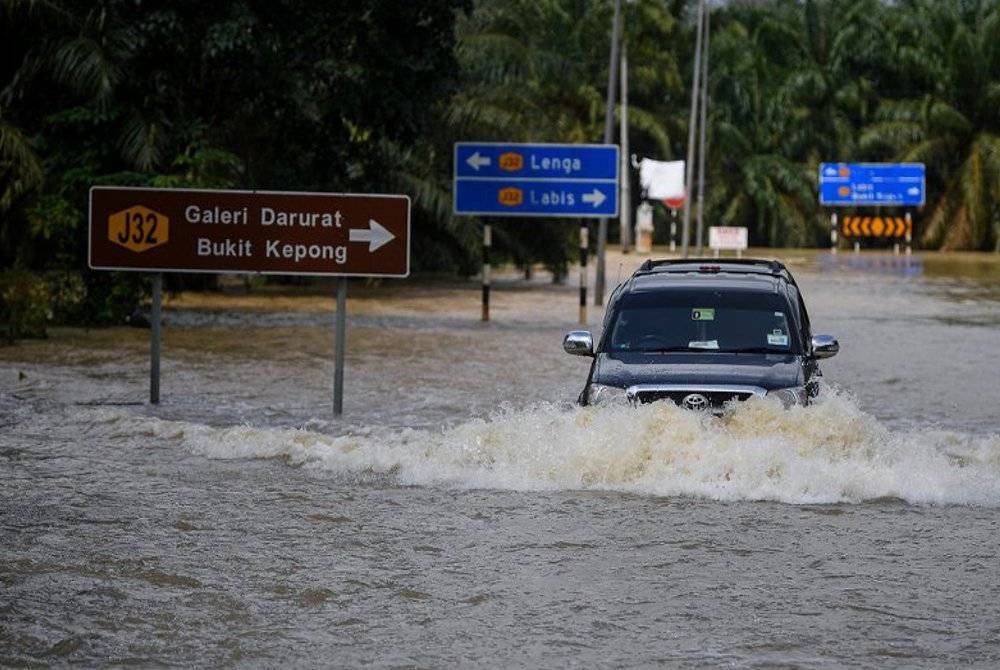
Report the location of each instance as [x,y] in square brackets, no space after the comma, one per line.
[138,228]
[510,196]
[511,161]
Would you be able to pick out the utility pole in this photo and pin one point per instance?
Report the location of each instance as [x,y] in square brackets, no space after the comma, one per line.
[609,125]
[625,207]
[702,157]
[692,124]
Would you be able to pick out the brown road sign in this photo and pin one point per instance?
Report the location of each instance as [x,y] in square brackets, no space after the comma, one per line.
[271,232]
[876,226]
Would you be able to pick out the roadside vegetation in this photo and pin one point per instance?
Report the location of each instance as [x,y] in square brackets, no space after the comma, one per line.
[370,97]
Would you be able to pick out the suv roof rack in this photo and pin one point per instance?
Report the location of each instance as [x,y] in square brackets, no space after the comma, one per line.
[755,266]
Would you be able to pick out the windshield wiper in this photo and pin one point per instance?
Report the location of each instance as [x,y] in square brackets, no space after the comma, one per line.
[711,350]
[755,350]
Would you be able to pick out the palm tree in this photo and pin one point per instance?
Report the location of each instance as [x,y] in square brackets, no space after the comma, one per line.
[755,182]
[827,56]
[950,50]
[534,71]
[20,166]
[61,59]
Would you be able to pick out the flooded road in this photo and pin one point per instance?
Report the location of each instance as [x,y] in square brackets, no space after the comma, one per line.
[466,513]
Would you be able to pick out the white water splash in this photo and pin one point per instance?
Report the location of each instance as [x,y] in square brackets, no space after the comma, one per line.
[828,452]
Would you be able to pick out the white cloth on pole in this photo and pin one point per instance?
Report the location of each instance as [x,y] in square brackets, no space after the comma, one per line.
[662,179]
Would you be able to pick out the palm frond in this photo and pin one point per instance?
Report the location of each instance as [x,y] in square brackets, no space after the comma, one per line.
[943,118]
[20,166]
[936,152]
[140,142]
[82,65]
[891,136]
[652,127]
[493,57]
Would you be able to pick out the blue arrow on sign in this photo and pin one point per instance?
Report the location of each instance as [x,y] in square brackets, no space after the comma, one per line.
[557,180]
[872,184]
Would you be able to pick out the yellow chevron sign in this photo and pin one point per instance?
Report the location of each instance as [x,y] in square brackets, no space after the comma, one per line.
[876,226]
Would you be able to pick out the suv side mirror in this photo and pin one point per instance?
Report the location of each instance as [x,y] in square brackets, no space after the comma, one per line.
[824,346]
[579,343]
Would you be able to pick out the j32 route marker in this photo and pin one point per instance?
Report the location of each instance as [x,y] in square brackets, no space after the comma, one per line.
[270,232]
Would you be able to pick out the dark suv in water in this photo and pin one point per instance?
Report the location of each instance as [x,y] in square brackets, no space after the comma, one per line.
[701,333]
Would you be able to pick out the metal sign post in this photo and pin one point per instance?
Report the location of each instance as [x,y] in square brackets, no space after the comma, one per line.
[266,232]
[340,343]
[909,234]
[154,340]
[584,235]
[673,230]
[609,113]
[487,244]
[833,232]
[624,222]
[692,125]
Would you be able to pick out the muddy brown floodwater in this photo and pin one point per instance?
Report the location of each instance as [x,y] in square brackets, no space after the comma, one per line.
[466,513]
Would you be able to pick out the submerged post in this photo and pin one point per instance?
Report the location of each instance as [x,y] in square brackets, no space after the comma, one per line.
[909,234]
[154,340]
[487,243]
[340,335]
[833,233]
[583,273]
[673,230]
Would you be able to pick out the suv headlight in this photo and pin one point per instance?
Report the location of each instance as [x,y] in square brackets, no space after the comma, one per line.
[599,394]
[794,395]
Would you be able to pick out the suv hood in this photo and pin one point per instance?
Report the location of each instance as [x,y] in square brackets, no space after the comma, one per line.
[769,371]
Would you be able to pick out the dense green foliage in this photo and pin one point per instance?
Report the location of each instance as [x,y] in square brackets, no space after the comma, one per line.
[346,96]
[285,94]
[794,84]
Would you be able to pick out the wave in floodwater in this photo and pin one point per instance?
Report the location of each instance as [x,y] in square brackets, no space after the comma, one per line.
[828,452]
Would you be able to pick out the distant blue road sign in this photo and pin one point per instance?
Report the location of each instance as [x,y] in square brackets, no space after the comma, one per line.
[558,180]
[872,184]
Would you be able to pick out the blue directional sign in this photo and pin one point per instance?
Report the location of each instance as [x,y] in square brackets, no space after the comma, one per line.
[558,180]
[872,184]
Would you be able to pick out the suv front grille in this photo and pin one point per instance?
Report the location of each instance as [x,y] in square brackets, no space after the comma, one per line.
[715,400]
[693,396]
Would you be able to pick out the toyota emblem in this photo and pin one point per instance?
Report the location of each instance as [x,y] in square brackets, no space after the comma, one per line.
[695,401]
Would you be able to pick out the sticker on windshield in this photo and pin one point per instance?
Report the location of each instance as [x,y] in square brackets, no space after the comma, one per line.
[703,344]
[703,314]
[777,338]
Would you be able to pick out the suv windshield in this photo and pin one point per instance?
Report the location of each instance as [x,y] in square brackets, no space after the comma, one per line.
[703,320]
